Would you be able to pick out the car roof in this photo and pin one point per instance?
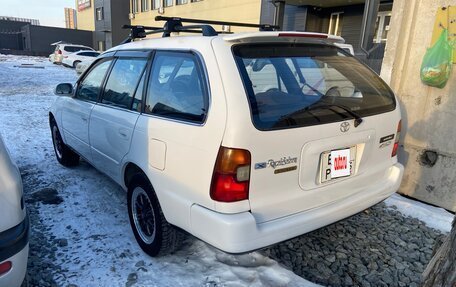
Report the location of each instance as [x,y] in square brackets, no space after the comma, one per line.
[243,37]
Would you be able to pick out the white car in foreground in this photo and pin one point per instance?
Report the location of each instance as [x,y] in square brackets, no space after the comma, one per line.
[73,59]
[242,140]
[14,223]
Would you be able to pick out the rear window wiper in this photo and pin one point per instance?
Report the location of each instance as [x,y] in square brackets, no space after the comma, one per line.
[356,116]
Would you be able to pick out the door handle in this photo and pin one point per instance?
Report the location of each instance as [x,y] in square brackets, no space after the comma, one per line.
[123,133]
[84,118]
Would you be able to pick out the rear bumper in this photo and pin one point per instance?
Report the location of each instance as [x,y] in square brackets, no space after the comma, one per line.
[14,248]
[238,233]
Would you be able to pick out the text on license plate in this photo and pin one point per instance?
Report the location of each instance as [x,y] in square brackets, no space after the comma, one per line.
[337,163]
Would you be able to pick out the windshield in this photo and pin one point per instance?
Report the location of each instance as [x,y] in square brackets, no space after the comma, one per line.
[296,85]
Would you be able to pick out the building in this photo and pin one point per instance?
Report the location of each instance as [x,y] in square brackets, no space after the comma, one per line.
[362,23]
[85,15]
[143,12]
[17,19]
[70,18]
[23,38]
[105,18]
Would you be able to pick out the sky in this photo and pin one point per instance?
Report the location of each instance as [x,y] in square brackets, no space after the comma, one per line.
[49,12]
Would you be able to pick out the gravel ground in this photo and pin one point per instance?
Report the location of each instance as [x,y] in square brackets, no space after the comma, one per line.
[377,247]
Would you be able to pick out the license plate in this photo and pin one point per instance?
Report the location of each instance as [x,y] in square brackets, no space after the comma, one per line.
[337,163]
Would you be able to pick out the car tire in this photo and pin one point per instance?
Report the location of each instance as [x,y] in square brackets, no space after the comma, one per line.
[63,153]
[75,63]
[153,233]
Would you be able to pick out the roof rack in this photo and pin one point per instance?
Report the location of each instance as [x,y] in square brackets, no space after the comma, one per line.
[174,24]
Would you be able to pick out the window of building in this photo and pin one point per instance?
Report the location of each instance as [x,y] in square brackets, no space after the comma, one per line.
[135,6]
[180,2]
[90,87]
[99,13]
[168,3]
[156,4]
[382,27]
[176,88]
[144,5]
[122,82]
[335,23]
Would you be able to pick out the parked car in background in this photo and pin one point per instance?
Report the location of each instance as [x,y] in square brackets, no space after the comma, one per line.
[14,223]
[71,60]
[242,140]
[63,49]
[81,67]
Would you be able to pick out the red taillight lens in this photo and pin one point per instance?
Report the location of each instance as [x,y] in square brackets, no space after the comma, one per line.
[396,141]
[5,267]
[231,178]
[304,35]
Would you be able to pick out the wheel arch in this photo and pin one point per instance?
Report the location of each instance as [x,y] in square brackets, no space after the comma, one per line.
[130,170]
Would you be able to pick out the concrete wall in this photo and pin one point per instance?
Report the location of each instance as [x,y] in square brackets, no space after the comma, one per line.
[223,10]
[429,114]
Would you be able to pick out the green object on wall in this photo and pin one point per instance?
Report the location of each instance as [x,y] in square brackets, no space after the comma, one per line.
[437,62]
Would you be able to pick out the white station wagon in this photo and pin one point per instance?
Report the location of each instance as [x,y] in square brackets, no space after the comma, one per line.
[243,140]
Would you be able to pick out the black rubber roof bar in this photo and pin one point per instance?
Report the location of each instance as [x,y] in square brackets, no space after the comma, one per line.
[262,27]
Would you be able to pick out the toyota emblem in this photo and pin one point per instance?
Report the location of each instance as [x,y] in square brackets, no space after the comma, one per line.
[344,127]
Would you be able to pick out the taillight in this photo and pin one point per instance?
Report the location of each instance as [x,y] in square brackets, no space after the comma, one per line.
[5,267]
[231,178]
[304,35]
[396,141]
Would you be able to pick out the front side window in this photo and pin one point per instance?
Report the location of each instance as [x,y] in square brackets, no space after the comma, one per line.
[90,87]
[122,82]
[296,85]
[177,88]
[180,2]
[168,3]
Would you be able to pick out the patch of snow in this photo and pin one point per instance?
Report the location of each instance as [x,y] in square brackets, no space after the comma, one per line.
[93,217]
[433,217]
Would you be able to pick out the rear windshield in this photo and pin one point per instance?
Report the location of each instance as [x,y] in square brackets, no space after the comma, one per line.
[296,85]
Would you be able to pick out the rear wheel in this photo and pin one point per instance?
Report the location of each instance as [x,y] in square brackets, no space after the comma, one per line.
[64,154]
[152,232]
[75,63]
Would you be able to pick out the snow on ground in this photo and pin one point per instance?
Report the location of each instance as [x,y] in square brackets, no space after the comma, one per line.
[434,217]
[93,216]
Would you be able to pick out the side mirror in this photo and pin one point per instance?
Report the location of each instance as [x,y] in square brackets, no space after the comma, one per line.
[64,89]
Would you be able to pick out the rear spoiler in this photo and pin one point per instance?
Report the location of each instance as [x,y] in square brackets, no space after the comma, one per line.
[282,36]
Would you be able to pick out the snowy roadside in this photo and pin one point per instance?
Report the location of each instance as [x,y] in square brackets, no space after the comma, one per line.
[94,243]
[433,217]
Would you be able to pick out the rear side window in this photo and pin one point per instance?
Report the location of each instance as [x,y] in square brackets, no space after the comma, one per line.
[73,49]
[290,85]
[177,87]
[123,81]
[90,87]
